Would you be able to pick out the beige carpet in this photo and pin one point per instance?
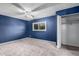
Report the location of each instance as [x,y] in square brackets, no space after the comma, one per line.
[33,47]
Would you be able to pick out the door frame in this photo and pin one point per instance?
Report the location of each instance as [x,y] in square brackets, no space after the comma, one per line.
[59,31]
[59,18]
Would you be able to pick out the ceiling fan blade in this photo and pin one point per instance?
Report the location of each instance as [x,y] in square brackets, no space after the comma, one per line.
[19,13]
[43,6]
[25,13]
[16,13]
[18,6]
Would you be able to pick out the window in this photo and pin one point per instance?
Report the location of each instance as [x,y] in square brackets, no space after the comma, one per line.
[39,26]
[36,26]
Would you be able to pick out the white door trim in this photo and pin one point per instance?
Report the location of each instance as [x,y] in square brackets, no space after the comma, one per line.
[58,31]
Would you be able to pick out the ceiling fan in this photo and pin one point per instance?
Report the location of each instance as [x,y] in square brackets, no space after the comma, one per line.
[27,13]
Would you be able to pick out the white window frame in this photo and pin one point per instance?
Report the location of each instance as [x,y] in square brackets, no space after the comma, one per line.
[38,26]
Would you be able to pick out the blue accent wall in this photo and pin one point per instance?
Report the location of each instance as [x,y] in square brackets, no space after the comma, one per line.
[51,32]
[12,28]
[68,11]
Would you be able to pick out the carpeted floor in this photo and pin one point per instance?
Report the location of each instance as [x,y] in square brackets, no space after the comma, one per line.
[34,47]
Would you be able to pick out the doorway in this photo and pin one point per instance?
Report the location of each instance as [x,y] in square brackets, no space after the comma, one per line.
[69,30]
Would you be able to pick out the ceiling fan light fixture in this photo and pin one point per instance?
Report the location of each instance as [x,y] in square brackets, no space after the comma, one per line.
[29,16]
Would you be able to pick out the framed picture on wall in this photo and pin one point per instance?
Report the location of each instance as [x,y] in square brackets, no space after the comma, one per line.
[39,26]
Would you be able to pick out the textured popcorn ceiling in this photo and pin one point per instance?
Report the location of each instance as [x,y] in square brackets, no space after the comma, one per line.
[34,47]
[10,10]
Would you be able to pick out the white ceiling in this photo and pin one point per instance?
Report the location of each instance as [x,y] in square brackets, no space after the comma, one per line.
[11,10]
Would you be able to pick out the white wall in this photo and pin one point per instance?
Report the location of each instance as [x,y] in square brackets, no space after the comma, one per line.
[70,32]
